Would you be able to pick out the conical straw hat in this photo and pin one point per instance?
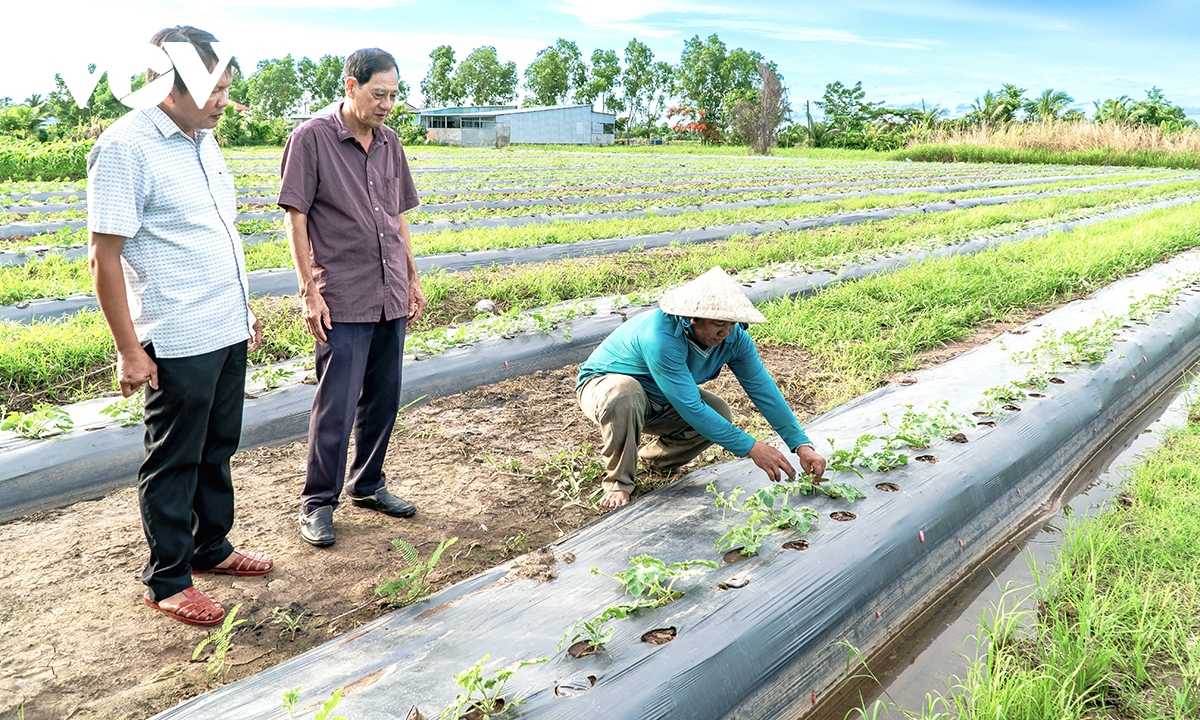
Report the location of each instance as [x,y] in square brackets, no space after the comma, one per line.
[713,296]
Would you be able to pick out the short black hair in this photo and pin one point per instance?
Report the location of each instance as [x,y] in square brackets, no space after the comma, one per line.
[363,64]
[200,40]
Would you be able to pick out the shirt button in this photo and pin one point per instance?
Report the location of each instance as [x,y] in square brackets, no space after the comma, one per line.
[376,209]
[370,182]
[385,262]
[380,234]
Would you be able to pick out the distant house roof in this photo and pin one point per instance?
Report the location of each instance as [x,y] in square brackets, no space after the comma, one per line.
[467,110]
[492,110]
[334,106]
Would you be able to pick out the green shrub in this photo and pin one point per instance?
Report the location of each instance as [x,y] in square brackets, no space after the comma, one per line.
[412,135]
[28,160]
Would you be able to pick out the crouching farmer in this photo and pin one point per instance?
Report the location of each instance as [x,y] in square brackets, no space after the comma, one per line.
[645,377]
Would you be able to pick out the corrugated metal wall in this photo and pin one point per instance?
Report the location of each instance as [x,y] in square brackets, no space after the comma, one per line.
[560,126]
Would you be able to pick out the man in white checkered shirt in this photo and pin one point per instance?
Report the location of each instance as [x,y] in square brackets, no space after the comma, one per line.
[170,278]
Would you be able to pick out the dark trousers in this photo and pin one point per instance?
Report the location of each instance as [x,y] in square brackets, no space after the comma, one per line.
[193,424]
[358,389]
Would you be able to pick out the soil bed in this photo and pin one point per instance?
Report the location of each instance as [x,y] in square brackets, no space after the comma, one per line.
[78,643]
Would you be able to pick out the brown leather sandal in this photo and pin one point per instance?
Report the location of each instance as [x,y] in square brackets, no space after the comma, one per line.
[199,609]
[245,564]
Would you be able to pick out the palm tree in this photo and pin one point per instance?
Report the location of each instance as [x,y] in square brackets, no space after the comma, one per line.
[1048,106]
[1115,110]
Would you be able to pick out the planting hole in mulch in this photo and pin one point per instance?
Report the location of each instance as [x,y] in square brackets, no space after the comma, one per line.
[980,413]
[986,423]
[1058,381]
[887,487]
[926,458]
[796,545]
[736,555]
[958,438]
[583,648]
[477,714]
[575,686]
[1010,408]
[842,515]
[733,583]
[660,636]
[1036,395]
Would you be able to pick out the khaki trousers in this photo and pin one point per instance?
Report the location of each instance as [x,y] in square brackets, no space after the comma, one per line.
[618,404]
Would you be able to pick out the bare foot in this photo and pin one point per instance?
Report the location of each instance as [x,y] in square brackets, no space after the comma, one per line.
[614,499]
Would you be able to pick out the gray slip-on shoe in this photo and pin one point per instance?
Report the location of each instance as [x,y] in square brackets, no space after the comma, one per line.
[317,527]
[386,503]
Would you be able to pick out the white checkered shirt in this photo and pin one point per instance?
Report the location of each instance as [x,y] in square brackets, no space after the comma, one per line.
[173,200]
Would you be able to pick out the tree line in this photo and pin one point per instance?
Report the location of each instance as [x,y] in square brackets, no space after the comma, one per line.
[714,93]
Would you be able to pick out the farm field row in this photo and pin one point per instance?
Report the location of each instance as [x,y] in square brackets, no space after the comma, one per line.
[54,276]
[494,212]
[479,169]
[808,345]
[494,230]
[67,360]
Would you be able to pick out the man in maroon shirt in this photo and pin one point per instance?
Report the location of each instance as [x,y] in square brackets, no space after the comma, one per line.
[346,187]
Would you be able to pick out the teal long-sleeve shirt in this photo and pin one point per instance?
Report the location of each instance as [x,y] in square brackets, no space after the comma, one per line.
[656,349]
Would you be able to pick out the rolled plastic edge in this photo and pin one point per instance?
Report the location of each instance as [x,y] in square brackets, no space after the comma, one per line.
[58,471]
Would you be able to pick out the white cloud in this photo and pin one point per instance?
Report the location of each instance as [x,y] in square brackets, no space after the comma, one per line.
[800,34]
[619,14]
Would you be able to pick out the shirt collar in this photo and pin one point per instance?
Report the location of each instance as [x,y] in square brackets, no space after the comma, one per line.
[344,133]
[167,126]
[683,327]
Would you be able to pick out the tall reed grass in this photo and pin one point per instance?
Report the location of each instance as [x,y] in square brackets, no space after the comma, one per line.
[1062,143]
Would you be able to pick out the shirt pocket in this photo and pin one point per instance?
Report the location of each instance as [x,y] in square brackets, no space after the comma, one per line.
[390,200]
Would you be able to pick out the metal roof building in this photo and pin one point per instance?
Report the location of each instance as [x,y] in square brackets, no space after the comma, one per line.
[499,125]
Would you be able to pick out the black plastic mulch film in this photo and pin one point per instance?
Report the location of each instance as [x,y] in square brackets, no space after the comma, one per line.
[768,649]
[277,282]
[40,474]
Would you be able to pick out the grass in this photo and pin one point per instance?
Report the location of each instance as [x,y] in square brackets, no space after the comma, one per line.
[860,333]
[560,232]
[1098,156]
[72,358]
[1063,143]
[1113,634]
[857,334]
[452,295]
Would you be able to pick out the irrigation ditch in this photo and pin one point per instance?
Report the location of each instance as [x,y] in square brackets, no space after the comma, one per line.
[759,637]
[96,457]
[940,644]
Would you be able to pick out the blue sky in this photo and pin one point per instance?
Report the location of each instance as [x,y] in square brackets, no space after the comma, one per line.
[946,52]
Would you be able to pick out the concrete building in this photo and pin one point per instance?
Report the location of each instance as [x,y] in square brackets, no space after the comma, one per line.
[499,125]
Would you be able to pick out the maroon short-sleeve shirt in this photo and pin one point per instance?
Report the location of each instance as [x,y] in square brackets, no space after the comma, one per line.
[353,199]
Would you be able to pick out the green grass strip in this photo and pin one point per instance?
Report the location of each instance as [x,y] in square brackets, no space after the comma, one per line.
[451,295]
[560,232]
[1102,156]
[1115,633]
[863,332]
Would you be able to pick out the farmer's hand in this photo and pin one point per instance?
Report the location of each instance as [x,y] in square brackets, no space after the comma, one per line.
[811,462]
[772,462]
[134,368]
[256,339]
[316,314]
[416,303]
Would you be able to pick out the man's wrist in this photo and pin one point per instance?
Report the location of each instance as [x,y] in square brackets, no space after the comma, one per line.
[808,445]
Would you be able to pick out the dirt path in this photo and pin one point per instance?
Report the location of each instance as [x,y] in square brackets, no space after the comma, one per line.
[76,642]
